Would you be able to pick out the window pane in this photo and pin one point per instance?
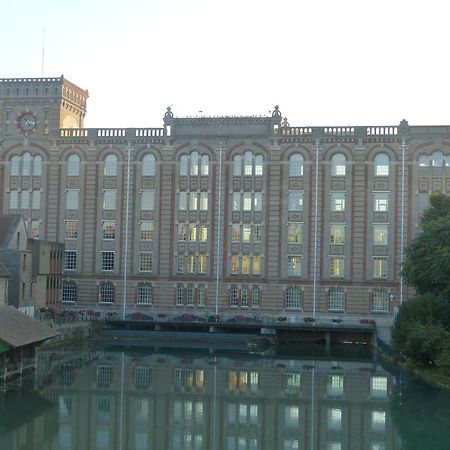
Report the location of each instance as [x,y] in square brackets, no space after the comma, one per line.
[338,162]
[147,231]
[336,266]
[148,166]
[108,261]
[37,166]
[295,232]
[145,262]
[294,265]
[109,230]
[381,201]
[237,165]
[295,200]
[337,234]
[110,168]
[381,165]
[380,234]
[73,166]
[380,267]
[293,296]
[183,201]
[296,165]
[147,200]
[109,199]
[71,229]
[337,201]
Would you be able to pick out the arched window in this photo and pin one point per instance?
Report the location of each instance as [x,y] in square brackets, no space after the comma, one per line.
[144,294]
[194,163]
[380,300]
[183,165]
[26,164]
[15,166]
[336,298]
[293,297]
[296,165]
[237,165]
[73,165]
[69,292]
[148,166]
[248,163]
[381,165]
[110,169]
[338,162]
[259,161]
[37,166]
[106,292]
[437,159]
[204,165]
[424,161]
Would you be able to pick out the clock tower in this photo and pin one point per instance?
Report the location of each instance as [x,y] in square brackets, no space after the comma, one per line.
[40,106]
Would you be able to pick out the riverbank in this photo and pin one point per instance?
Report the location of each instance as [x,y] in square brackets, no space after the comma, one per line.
[430,375]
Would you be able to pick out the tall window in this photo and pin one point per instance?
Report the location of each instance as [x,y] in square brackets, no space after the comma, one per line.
[184,162]
[259,161]
[109,199]
[338,201]
[37,166]
[145,262]
[381,165]
[380,267]
[248,163]
[24,199]
[437,159]
[70,260]
[180,295]
[109,230]
[380,234]
[106,292]
[147,231]
[294,267]
[147,200]
[237,165]
[73,166]
[71,231]
[69,292]
[380,300]
[293,297]
[35,229]
[194,163]
[424,161]
[204,165]
[26,163]
[381,201]
[336,266]
[108,261]
[36,199]
[144,294]
[337,233]
[110,169]
[148,166]
[13,199]
[15,166]
[338,165]
[295,201]
[296,165]
[336,299]
[72,196]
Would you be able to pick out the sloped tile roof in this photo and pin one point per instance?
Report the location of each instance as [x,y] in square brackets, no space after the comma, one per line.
[18,329]
[8,224]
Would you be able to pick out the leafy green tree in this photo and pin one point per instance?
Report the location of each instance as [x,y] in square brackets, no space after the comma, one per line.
[439,207]
[427,258]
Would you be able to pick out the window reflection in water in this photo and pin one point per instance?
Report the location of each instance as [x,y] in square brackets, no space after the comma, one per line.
[107,400]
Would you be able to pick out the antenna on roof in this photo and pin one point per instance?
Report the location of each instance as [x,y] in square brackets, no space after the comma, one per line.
[43,52]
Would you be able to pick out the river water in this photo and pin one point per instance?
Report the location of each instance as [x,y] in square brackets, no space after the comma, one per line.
[294,398]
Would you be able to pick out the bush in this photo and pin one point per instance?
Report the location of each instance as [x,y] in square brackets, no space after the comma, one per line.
[422,330]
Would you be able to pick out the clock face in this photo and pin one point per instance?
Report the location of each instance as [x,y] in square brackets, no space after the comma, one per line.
[27,122]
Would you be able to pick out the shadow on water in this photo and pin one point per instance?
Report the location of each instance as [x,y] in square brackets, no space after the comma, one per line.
[421,415]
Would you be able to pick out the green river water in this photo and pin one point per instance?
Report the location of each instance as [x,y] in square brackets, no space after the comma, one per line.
[292,398]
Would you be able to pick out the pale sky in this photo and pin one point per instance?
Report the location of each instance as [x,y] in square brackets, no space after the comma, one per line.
[324,62]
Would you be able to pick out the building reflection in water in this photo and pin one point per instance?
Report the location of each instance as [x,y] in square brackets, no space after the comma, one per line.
[113,400]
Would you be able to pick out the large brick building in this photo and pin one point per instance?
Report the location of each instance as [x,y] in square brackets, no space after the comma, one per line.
[218,214]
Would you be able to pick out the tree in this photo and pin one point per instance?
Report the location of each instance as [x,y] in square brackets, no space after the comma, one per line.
[427,258]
